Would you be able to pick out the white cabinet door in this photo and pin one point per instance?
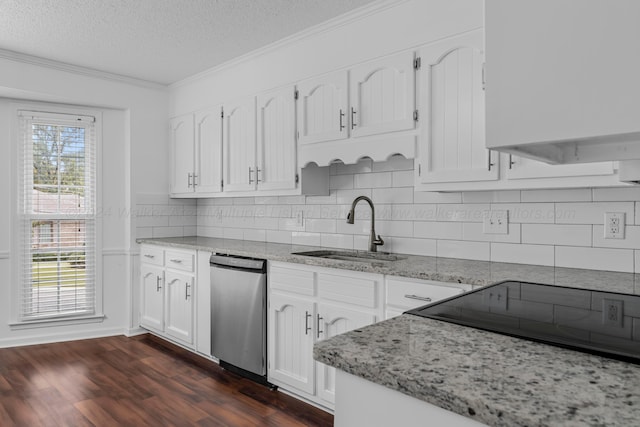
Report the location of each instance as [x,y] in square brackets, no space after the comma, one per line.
[239,142]
[208,149]
[323,108]
[382,95]
[182,154]
[524,168]
[453,143]
[290,342]
[179,306]
[332,320]
[277,162]
[152,297]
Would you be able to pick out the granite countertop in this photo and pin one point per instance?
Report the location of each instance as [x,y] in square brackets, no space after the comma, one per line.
[495,379]
[479,273]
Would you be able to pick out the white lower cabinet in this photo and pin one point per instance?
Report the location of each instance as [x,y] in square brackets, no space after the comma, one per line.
[404,293]
[167,293]
[309,304]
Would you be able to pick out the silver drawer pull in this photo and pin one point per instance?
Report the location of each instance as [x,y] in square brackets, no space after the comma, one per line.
[149,256]
[177,261]
[418,297]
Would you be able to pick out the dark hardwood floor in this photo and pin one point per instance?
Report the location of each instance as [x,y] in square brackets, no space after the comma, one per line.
[140,381]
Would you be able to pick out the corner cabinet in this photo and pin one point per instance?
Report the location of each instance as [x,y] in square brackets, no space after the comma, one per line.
[167,286]
[308,304]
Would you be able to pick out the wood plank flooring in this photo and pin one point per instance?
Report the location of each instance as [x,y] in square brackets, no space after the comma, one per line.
[139,381]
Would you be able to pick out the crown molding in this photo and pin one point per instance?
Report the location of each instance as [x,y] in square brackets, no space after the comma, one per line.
[339,21]
[75,69]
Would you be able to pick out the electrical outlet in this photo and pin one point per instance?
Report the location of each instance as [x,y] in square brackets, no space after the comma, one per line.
[612,312]
[496,222]
[496,297]
[300,218]
[614,225]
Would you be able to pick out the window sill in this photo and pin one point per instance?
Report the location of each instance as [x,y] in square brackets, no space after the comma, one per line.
[46,323]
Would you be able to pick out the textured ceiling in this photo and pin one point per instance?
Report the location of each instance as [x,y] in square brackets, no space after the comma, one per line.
[161,41]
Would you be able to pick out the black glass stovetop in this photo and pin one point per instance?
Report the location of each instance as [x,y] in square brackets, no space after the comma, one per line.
[603,323]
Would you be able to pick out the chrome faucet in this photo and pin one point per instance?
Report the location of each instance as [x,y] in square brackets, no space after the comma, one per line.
[373,241]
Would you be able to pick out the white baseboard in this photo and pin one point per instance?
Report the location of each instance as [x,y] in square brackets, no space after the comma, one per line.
[59,337]
[132,332]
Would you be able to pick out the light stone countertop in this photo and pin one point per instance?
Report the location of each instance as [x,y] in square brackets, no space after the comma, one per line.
[418,267]
[503,381]
[495,379]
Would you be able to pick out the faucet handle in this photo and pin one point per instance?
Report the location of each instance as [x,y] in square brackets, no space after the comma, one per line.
[378,241]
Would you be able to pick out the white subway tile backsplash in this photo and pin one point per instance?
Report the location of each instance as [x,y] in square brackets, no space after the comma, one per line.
[320,225]
[573,195]
[463,249]
[474,231]
[291,200]
[402,179]
[190,230]
[522,254]
[322,200]
[438,230]
[372,180]
[529,213]
[591,213]
[433,197]
[243,201]
[304,238]
[554,234]
[392,195]
[414,212]
[342,241]
[491,197]
[631,238]
[276,236]
[413,246]
[363,166]
[595,258]
[630,194]
[255,235]
[182,220]
[346,197]
[168,231]
[394,228]
[462,213]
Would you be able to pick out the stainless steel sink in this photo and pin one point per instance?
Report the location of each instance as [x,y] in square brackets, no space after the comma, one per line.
[352,256]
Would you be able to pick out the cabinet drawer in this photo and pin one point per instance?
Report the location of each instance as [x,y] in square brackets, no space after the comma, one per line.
[408,294]
[291,280]
[179,260]
[348,289]
[152,255]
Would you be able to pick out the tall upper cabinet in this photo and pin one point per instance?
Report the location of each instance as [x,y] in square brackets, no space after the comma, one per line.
[452,147]
[239,138]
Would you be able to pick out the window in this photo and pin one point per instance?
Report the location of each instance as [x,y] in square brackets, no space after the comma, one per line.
[57,214]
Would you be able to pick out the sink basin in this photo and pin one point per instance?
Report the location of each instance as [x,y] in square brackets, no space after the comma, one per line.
[352,256]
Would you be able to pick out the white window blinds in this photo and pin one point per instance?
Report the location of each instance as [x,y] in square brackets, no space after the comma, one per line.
[57,209]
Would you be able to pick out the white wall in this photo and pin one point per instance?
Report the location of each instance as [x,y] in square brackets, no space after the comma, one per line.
[134,162]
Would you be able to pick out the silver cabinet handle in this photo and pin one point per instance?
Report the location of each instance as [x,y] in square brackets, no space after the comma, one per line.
[353,118]
[177,261]
[341,120]
[158,281]
[149,256]
[186,290]
[250,172]
[319,331]
[418,297]
[307,328]
[511,162]
[258,174]
[189,177]
[489,163]
[194,180]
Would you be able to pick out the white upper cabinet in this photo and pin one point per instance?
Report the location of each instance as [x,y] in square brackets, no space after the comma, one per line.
[323,108]
[453,138]
[276,165]
[182,154]
[208,148]
[562,79]
[382,94]
[239,139]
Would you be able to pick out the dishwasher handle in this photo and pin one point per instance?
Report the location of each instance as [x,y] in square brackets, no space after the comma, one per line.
[238,263]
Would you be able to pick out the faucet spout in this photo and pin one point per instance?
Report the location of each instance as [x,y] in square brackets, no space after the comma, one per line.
[374,241]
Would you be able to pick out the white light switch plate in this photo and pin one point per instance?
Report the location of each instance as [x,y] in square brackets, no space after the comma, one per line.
[496,222]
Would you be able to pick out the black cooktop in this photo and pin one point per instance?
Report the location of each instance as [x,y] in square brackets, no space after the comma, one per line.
[603,323]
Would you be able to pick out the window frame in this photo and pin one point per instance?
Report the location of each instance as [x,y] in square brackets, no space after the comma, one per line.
[17,239]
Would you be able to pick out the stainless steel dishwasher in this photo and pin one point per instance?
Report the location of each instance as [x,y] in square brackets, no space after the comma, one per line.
[239,315]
